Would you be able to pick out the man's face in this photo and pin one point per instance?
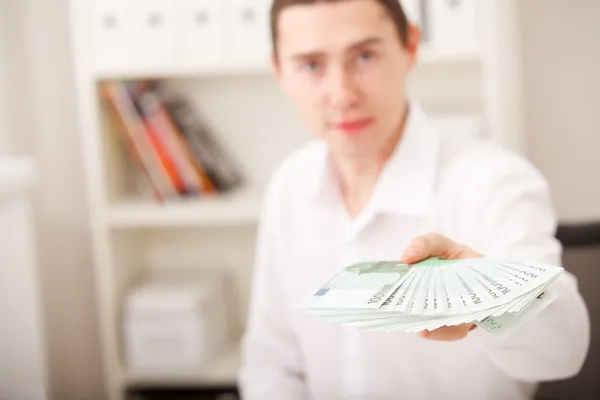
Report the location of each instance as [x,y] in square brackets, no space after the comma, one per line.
[345,68]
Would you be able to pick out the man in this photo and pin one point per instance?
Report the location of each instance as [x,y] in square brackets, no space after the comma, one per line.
[378,182]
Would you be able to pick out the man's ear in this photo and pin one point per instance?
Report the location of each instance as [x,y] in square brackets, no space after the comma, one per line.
[275,66]
[277,69]
[412,44]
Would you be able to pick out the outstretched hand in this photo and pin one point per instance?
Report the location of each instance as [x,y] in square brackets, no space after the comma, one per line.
[436,245]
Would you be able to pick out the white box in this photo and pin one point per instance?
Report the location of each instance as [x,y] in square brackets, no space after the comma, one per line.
[153,34]
[111,32]
[454,26]
[174,324]
[249,34]
[201,33]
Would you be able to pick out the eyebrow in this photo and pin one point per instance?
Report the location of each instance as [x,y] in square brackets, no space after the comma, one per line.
[354,46]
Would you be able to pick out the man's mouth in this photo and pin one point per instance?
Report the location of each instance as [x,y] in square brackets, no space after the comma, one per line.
[354,126]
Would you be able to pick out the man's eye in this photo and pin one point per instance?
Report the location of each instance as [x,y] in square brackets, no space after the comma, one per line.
[311,65]
[365,56]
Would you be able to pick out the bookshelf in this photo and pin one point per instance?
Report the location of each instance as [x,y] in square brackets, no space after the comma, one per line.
[220,374]
[235,209]
[220,67]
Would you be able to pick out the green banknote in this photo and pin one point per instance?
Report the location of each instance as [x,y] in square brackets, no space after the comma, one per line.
[503,325]
[496,294]
[364,285]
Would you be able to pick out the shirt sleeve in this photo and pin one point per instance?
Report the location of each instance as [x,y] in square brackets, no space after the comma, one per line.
[271,366]
[518,222]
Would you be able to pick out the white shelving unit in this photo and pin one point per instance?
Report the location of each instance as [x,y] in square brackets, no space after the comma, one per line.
[215,52]
[220,374]
[229,210]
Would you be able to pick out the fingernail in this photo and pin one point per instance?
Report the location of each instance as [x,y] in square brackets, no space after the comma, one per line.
[412,254]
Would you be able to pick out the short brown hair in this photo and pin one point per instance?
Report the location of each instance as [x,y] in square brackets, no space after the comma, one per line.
[393,8]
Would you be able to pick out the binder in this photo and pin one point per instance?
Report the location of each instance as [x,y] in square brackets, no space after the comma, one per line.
[249,42]
[152,33]
[111,33]
[454,26]
[201,34]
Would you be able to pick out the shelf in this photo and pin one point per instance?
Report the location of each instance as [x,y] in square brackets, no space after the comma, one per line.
[181,72]
[427,58]
[238,208]
[431,58]
[223,373]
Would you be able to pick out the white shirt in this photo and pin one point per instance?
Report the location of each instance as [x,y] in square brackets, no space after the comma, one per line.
[474,192]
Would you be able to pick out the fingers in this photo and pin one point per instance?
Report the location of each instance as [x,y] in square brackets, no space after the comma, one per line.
[448,333]
[435,245]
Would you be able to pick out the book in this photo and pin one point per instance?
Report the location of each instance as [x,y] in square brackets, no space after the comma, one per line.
[221,168]
[186,168]
[168,141]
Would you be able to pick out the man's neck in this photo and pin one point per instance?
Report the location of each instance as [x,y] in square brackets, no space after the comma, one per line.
[358,179]
[358,176]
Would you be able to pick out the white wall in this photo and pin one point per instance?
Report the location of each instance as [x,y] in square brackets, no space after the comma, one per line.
[562,64]
[5,124]
[41,99]
[14,70]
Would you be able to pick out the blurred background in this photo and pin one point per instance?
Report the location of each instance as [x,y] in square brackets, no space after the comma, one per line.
[125,272]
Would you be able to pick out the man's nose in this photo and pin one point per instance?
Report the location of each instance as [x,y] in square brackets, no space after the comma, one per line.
[343,93]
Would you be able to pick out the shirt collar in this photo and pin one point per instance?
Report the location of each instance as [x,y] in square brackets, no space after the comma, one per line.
[407,182]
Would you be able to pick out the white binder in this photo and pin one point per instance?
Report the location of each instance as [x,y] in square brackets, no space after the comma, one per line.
[201,34]
[111,32]
[249,42]
[454,26]
[152,32]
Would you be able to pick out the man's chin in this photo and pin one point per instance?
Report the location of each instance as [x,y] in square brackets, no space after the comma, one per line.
[349,148]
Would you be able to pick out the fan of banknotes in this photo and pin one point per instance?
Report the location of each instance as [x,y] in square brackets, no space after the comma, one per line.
[496,294]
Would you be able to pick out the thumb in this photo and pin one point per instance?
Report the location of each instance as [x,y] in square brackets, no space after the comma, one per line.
[435,245]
